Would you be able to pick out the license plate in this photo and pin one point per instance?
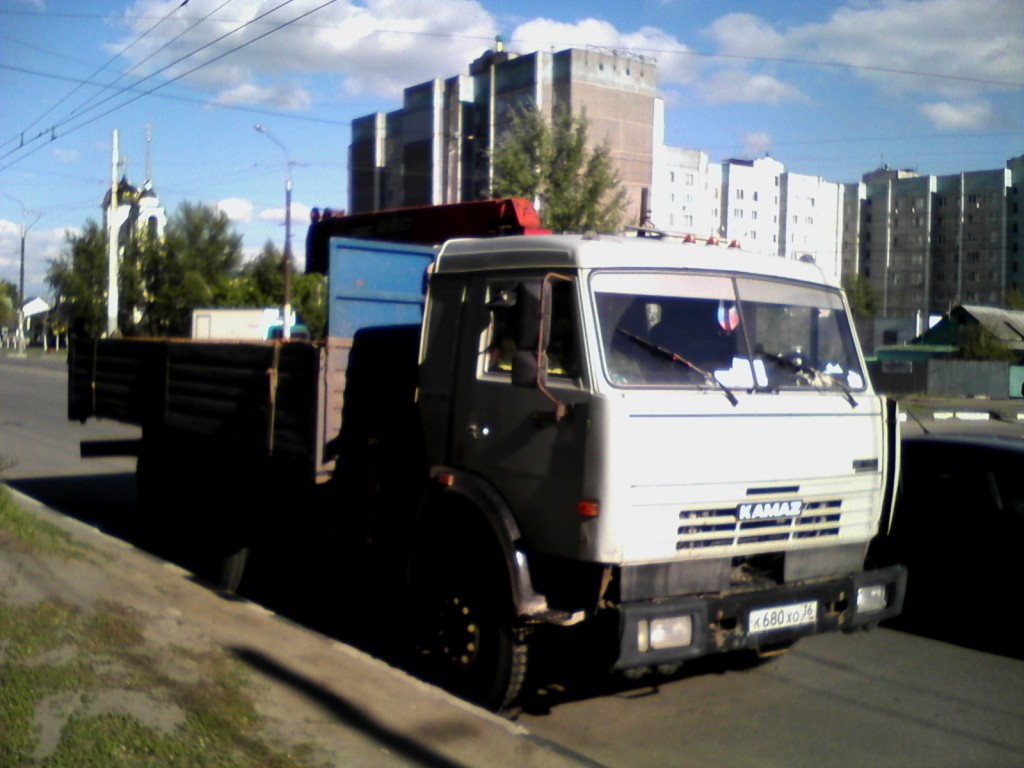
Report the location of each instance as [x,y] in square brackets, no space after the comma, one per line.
[783,617]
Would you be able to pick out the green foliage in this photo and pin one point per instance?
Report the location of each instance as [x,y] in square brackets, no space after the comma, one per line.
[160,283]
[26,532]
[8,303]
[194,267]
[261,284]
[979,343]
[1014,299]
[56,652]
[79,281]
[577,187]
[861,295]
[198,264]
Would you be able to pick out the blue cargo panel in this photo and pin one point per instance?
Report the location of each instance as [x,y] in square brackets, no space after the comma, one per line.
[374,284]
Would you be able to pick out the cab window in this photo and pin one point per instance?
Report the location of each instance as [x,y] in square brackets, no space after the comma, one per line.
[500,345]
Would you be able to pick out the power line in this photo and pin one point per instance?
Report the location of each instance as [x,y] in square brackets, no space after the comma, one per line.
[639,50]
[171,80]
[177,61]
[90,80]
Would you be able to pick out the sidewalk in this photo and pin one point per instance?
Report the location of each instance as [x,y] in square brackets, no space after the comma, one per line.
[309,690]
[1006,410]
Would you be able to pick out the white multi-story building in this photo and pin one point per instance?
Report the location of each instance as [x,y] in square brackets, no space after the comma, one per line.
[756,203]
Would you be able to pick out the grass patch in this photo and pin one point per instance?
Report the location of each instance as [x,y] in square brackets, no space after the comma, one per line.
[82,687]
[87,659]
[24,531]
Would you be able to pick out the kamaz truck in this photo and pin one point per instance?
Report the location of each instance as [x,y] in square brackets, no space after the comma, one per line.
[666,450]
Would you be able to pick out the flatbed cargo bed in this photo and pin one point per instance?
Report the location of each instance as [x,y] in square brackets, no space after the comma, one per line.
[260,397]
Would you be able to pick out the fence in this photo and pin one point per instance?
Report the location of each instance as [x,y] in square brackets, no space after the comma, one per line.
[949,378]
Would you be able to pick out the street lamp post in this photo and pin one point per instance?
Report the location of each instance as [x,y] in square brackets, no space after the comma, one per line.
[20,335]
[287,267]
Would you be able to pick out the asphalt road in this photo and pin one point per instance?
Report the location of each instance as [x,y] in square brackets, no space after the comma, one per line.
[884,698]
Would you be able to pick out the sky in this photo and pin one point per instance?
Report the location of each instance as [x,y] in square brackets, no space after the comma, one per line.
[831,89]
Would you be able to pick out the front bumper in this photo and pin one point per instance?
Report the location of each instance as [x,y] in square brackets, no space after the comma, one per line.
[722,623]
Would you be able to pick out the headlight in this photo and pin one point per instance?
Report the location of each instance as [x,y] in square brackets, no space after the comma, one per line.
[659,634]
[871,598]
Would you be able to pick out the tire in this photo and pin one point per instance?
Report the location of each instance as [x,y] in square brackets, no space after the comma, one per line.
[178,497]
[469,641]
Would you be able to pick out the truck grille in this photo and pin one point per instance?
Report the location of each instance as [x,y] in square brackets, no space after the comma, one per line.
[701,529]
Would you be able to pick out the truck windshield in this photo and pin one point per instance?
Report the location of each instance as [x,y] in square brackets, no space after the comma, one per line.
[671,330]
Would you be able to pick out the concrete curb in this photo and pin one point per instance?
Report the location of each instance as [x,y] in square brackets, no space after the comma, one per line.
[355,709]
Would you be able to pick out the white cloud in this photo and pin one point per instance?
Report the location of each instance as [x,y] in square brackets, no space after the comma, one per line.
[971,116]
[237,209]
[300,217]
[9,228]
[739,86]
[756,144]
[65,156]
[281,97]
[371,46]
[903,46]
[746,35]
[949,50]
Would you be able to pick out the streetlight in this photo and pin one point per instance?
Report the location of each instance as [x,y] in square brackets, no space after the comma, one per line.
[287,268]
[20,335]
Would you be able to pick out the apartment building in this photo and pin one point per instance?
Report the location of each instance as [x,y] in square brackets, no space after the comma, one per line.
[756,203]
[924,243]
[437,147]
[927,243]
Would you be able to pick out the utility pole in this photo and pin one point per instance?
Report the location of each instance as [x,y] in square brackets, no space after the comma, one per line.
[20,333]
[113,298]
[287,266]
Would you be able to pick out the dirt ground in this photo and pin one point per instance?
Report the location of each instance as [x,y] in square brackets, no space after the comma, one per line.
[325,700]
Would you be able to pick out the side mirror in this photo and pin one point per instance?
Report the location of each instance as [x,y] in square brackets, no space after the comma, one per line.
[533,334]
[526,371]
[528,300]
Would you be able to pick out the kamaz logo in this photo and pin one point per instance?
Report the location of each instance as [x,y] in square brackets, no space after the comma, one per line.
[769,510]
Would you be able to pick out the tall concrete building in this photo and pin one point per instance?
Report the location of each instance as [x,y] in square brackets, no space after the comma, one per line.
[757,203]
[437,147]
[928,243]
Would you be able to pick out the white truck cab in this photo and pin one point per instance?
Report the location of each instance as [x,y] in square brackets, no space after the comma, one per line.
[681,434]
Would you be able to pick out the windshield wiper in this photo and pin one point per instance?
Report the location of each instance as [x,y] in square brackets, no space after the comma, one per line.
[675,357]
[812,375]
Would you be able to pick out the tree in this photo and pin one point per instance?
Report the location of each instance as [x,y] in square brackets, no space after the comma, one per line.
[261,284]
[979,343]
[576,187]
[193,268]
[861,295]
[79,281]
[160,283]
[8,300]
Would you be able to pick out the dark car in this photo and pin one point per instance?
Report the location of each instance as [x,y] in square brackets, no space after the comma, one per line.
[959,528]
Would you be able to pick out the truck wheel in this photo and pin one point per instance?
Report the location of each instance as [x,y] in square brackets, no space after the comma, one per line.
[232,570]
[468,639]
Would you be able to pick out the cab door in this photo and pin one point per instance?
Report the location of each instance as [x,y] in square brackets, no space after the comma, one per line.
[510,435]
